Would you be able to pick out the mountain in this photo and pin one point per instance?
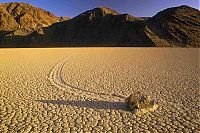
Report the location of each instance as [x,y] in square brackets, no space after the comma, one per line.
[23,25]
[20,19]
[7,22]
[98,27]
[178,26]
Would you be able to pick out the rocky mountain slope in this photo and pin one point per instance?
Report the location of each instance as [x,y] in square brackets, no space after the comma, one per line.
[101,26]
[178,26]
[7,22]
[20,19]
[98,27]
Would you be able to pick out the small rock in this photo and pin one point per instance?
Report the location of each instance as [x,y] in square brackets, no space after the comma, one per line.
[137,102]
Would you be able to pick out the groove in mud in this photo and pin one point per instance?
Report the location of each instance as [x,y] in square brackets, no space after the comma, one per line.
[57,80]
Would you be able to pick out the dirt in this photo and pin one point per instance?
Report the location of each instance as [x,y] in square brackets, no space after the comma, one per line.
[83,90]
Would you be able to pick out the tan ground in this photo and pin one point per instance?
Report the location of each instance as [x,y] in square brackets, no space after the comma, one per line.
[63,90]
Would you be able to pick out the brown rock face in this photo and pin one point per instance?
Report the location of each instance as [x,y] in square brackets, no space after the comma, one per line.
[178,26]
[7,22]
[28,16]
[21,19]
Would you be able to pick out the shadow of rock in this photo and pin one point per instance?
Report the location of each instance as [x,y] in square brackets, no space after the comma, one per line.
[89,104]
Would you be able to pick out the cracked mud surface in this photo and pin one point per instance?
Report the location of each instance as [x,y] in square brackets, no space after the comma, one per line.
[83,90]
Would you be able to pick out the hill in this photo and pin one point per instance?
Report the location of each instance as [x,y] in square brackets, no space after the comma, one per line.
[23,25]
[178,26]
[20,19]
[98,27]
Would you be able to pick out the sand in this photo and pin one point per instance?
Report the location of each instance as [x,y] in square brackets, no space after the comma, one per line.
[83,89]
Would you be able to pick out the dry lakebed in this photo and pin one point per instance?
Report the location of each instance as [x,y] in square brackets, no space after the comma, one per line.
[84,89]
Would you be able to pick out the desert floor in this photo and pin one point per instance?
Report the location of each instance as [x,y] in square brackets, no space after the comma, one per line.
[83,89]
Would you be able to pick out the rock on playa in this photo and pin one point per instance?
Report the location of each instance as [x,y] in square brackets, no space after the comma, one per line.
[140,104]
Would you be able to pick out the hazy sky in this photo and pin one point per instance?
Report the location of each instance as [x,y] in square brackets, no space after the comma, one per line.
[139,8]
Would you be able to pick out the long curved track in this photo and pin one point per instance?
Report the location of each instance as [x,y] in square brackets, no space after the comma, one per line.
[56,79]
[39,91]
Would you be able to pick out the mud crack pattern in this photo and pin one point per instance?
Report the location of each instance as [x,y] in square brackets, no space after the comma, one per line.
[84,92]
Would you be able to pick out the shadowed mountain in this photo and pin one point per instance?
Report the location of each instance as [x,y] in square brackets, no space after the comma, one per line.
[101,26]
[98,27]
[178,26]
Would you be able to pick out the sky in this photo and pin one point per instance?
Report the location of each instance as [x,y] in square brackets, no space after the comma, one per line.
[138,8]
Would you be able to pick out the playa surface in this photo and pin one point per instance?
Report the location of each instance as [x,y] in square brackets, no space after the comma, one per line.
[83,89]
